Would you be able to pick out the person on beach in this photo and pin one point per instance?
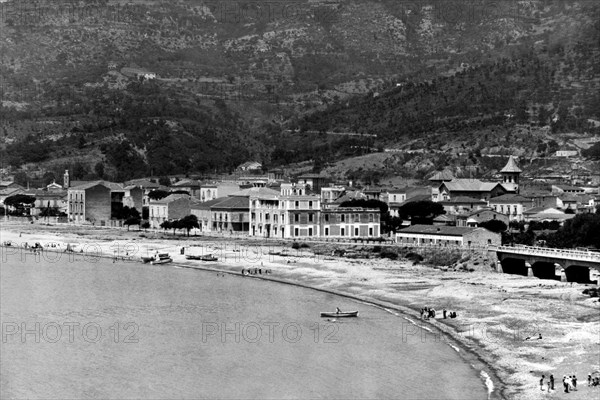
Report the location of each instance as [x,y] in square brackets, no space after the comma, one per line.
[548,386]
[337,310]
[574,380]
[552,381]
[565,384]
[444,312]
[542,382]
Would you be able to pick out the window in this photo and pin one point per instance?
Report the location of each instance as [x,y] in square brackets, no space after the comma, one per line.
[282,218]
[310,217]
[253,216]
[370,231]
[326,231]
[310,204]
[297,204]
[296,217]
[370,217]
[343,219]
[295,231]
[326,217]
[310,231]
[355,231]
[275,218]
[343,233]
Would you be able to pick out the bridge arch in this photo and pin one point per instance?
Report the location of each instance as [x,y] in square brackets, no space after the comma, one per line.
[545,270]
[578,273]
[514,266]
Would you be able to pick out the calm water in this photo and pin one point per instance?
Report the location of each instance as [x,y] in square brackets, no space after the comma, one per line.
[173,346]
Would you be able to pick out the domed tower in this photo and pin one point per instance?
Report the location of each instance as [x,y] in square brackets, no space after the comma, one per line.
[510,175]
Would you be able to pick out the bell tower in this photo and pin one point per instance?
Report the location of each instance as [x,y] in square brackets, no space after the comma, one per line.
[510,174]
[66,179]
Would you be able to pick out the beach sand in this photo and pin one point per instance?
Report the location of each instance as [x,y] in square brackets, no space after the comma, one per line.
[496,312]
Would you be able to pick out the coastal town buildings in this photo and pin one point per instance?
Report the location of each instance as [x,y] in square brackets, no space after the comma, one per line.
[447,236]
[511,205]
[91,202]
[172,207]
[349,222]
[474,218]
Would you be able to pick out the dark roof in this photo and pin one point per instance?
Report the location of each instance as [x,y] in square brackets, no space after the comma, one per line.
[234,202]
[84,185]
[206,205]
[145,183]
[463,200]
[170,198]
[438,230]
[509,199]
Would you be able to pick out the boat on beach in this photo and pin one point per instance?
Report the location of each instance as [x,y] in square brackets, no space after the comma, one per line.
[162,258]
[146,260]
[208,257]
[334,314]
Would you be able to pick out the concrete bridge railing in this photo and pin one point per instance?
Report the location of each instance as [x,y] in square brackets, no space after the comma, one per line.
[566,254]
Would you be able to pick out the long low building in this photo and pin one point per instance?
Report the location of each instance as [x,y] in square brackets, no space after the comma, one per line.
[447,236]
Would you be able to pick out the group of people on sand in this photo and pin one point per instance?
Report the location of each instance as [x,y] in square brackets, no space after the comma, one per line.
[255,271]
[429,312]
[569,382]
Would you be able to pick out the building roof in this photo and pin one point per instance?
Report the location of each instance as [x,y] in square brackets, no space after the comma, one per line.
[187,183]
[312,176]
[196,205]
[569,188]
[469,185]
[511,166]
[543,210]
[256,192]
[237,202]
[438,230]
[445,218]
[84,185]
[170,198]
[509,198]
[144,183]
[463,200]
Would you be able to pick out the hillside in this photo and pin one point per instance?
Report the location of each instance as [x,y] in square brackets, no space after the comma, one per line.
[224,85]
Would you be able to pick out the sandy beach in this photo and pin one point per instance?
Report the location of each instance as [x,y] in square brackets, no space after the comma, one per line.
[496,312]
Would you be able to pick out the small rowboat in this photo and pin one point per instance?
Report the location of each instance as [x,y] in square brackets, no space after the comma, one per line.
[146,260]
[209,257]
[162,259]
[193,257]
[340,314]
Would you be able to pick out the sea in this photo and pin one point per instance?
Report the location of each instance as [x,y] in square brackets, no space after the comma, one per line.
[75,327]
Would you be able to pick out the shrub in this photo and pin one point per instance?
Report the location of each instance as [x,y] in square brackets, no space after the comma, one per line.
[304,245]
[376,249]
[295,245]
[389,254]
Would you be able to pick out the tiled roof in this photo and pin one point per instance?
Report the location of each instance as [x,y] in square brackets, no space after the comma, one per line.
[509,199]
[205,205]
[463,200]
[145,183]
[169,198]
[90,184]
[469,185]
[511,166]
[255,192]
[438,230]
[233,203]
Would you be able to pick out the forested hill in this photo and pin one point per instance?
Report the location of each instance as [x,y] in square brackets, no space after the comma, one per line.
[124,88]
[556,84]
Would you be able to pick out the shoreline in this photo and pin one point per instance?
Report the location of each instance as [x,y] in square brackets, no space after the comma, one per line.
[477,351]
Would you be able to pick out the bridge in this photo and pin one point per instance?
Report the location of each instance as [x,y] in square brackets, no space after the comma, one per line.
[561,264]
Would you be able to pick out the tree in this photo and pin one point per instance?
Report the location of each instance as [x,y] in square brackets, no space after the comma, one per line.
[166,225]
[132,221]
[157,194]
[188,223]
[145,225]
[581,231]
[165,181]
[493,225]
[423,211]
[99,169]
[19,202]
[593,152]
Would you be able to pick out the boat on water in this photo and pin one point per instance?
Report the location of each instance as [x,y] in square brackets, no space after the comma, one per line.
[340,314]
[208,257]
[162,258]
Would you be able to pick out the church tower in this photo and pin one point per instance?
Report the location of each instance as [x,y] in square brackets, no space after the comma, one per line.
[510,175]
[66,179]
